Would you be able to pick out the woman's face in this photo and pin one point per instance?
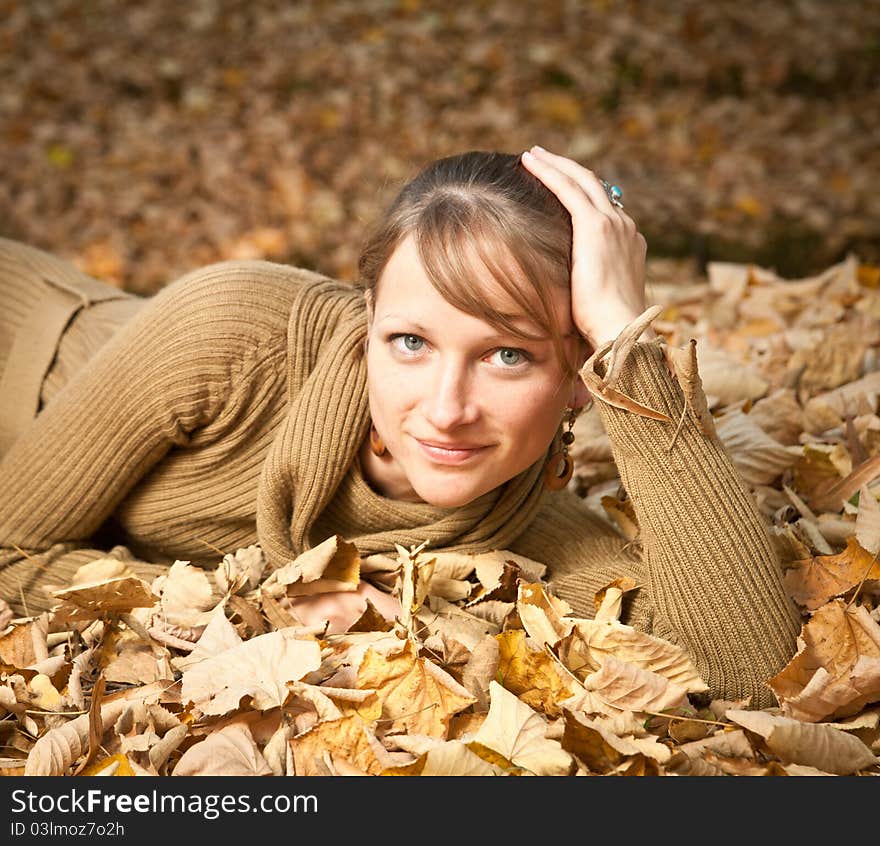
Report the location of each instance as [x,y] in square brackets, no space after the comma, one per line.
[460,407]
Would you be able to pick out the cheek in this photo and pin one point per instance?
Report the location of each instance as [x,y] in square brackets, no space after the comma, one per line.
[389,392]
[530,411]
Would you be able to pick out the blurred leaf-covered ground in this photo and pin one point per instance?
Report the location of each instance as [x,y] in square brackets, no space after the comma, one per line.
[145,139]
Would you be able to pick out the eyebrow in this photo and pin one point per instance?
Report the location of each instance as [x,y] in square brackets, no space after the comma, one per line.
[497,336]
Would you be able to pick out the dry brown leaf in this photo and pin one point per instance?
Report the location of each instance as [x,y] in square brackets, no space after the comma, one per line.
[831,497]
[241,570]
[836,670]
[516,732]
[600,749]
[95,599]
[868,521]
[623,514]
[448,758]
[60,747]
[633,688]
[259,668]
[228,752]
[725,379]
[332,565]
[100,570]
[542,614]
[532,673]
[812,582]
[759,459]
[347,739]
[609,599]
[134,661]
[415,694]
[684,365]
[480,669]
[817,746]
[185,595]
[26,644]
[219,636]
[640,649]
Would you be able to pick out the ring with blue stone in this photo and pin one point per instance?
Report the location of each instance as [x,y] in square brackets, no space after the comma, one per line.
[614,194]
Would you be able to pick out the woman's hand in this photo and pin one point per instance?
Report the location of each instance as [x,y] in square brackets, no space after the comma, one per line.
[341,608]
[608,251]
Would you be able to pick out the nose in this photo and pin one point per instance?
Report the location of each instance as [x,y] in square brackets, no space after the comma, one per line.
[450,397]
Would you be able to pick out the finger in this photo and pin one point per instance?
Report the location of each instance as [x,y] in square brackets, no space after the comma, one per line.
[569,192]
[587,180]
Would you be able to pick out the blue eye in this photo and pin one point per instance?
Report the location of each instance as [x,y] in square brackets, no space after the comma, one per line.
[411,343]
[510,356]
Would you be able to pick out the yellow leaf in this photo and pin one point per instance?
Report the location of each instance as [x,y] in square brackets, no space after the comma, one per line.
[417,696]
[559,107]
[347,739]
[749,205]
[43,693]
[525,669]
[836,671]
[60,156]
[118,765]
[868,275]
[601,750]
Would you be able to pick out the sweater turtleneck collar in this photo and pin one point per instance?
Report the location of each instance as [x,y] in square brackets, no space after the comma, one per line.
[312,475]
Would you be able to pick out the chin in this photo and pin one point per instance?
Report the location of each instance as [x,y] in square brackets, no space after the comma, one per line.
[441,497]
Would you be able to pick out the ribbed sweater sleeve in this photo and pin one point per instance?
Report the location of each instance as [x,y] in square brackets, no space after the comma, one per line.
[712,576]
[169,371]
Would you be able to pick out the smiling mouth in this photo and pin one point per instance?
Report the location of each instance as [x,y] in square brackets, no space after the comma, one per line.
[449,454]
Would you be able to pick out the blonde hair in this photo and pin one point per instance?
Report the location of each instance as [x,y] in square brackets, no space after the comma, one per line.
[481,211]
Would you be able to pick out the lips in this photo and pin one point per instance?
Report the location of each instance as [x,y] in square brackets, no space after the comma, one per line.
[441,445]
[441,453]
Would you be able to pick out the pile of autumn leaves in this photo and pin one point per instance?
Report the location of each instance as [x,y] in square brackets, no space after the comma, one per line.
[485,672]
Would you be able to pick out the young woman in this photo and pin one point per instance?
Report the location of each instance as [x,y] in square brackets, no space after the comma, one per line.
[251,402]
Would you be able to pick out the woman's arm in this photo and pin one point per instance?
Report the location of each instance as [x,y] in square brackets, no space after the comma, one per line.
[713,577]
[162,376]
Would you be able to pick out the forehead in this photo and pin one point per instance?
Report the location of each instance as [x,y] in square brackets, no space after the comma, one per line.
[405,279]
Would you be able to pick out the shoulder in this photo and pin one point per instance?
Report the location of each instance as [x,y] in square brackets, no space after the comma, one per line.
[242,297]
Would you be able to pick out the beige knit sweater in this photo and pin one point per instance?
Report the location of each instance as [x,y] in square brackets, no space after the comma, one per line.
[156,448]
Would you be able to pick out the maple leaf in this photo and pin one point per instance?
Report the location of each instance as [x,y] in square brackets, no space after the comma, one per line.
[836,670]
[229,751]
[347,738]
[811,582]
[533,674]
[416,696]
[259,668]
[519,734]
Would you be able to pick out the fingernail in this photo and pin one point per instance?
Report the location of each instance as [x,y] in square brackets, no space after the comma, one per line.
[539,148]
[527,155]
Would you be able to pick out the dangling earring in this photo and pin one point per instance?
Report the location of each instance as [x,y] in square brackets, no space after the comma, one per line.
[557,477]
[377,445]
